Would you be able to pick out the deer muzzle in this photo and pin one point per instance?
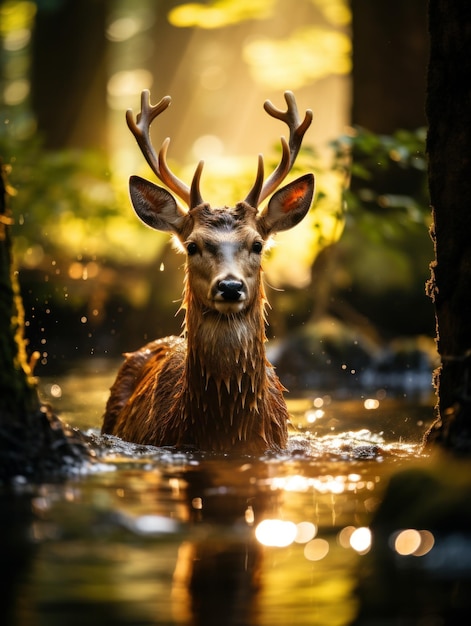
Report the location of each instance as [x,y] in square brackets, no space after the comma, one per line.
[229,294]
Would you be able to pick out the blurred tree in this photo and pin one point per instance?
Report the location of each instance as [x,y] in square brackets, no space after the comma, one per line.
[383,155]
[387,219]
[448,141]
[389,64]
[69,73]
[33,442]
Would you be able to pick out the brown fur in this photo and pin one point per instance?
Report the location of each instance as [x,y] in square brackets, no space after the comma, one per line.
[212,388]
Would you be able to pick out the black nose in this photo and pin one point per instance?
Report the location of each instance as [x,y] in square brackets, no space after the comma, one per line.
[230,289]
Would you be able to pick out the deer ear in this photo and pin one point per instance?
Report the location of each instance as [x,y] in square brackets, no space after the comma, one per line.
[288,206]
[155,206]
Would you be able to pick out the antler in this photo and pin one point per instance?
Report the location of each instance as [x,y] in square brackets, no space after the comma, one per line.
[140,129]
[290,149]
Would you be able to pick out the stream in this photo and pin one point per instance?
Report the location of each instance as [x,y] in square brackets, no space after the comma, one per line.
[154,536]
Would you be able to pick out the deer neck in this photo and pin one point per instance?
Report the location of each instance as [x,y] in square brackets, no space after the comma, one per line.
[226,363]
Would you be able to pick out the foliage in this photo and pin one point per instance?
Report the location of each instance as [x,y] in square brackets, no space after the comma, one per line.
[388,173]
[388,211]
[67,206]
[33,442]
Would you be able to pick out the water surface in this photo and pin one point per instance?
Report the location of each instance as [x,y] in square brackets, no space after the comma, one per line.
[153,536]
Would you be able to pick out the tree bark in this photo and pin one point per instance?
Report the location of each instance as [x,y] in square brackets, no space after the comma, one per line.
[448,110]
[33,442]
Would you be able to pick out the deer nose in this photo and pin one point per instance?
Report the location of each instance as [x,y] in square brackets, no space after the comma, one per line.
[231,289]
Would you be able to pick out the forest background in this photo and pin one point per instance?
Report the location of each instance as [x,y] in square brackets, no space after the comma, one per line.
[96,282]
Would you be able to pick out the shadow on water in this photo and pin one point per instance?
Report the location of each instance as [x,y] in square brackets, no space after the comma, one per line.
[152,536]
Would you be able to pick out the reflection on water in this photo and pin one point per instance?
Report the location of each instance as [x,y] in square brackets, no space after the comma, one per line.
[158,537]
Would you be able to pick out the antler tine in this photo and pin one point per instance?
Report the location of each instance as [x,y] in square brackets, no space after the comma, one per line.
[169,178]
[289,149]
[158,164]
[254,195]
[140,127]
[195,195]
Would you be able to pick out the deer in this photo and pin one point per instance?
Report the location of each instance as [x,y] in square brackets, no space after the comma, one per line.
[212,388]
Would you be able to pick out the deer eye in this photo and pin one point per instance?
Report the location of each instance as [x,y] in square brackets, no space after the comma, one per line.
[257,247]
[191,248]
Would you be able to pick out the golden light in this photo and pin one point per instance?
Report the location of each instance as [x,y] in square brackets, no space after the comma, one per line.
[313,416]
[123,28]
[249,515]
[305,531]
[76,270]
[276,533]
[14,16]
[56,391]
[127,83]
[344,536]
[360,539]
[197,504]
[213,78]
[371,404]
[316,550]
[152,524]
[354,478]
[219,13]
[291,483]
[17,39]
[336,11]
[308,54]
[412,542]
[303,243]
[33,256]
[16,91]
[207,145]
[427,541]
[322,484]
[407,542]
[93,269]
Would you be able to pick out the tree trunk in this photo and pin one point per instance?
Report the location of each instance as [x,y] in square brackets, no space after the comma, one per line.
[17,392]
[33,442]
[389,64]
[448,146]
[69,73]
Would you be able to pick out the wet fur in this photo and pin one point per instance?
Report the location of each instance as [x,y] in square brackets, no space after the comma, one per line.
[212,388]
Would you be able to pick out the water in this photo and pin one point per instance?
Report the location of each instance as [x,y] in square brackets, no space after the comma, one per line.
[149,536]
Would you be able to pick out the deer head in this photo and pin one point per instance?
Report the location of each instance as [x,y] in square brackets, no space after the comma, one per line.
[224,246]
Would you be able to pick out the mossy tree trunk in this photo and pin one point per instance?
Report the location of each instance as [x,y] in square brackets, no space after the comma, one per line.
[33,442]
[449,149]
[17,392]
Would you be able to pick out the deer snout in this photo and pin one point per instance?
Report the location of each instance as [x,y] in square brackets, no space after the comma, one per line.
[229,294]
[231,289]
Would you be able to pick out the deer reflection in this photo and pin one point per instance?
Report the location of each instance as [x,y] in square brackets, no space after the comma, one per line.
[218,573]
